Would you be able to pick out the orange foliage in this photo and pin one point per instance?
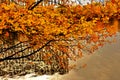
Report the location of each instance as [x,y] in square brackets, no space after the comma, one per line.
[63,25]
[95,37]
[99,26]
[6,34]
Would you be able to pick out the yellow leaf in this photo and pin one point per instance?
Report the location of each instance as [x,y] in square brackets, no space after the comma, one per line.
[6,7]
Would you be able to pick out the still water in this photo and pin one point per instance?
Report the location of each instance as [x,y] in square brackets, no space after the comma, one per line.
[103,65]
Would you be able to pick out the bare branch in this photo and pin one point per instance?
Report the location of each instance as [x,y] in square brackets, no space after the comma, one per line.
[34,5]
[14,58]
[14,46]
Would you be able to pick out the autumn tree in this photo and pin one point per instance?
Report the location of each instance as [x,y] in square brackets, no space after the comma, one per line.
[51,34]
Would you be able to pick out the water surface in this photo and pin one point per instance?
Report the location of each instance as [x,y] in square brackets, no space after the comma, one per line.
[104,64]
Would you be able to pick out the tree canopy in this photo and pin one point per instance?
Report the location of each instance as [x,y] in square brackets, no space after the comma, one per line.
[67,29]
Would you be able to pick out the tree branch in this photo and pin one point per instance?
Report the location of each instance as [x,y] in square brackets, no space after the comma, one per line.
[7,58]
[14,46]
[14,58]
[34,5]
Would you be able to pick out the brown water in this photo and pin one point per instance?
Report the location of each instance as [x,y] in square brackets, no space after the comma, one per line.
[103,65]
